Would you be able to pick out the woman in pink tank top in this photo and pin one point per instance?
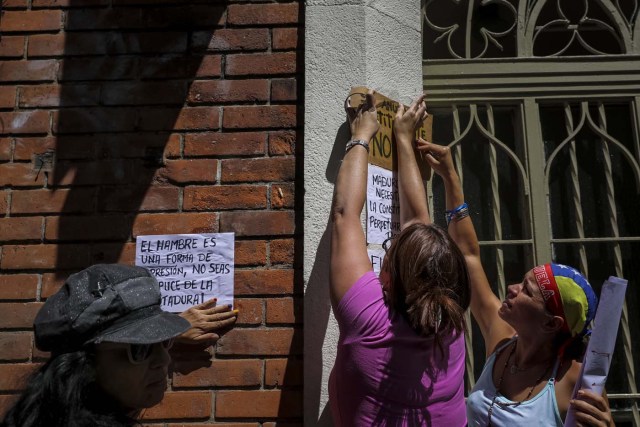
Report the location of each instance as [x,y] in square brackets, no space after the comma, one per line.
[401,350]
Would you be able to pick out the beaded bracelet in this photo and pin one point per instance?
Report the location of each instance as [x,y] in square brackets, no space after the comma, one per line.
[458,213]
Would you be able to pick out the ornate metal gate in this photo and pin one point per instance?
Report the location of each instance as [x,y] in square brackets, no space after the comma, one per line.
[541,102]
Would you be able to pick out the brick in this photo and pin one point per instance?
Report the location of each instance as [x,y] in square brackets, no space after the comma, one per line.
[188,171]
[107,227]
[282,143]
[177,66]
[137,145]
[250,252]
[67,44]
[18,286]
[33,70]
[264,282]
[281,251]
[145,43]
[24,122]
[20,175]
[218,91]
[121,253]
[101,172]
[232,39]
[68,147]
[18,315]
[189,223]
[150,18]
[30,20]
[6,402]
[11,46]
[222,373]
[210,66]
[48,201]
[284,310]
[258,404]
[51,283]
[261,116]
[261,64]
[20,228]
[192,405]
[283,372]
[282,196]
[139,93]
[95,120]
[14,377]
[186,119]
[221,197]
[44,257]
[258,170]
[263,14]
[7,96]
[285,38]
[15,346]
[51,4]
[14,4]
[257,223]
[250,310]
[225,144]
[283,90]
[100,68]
[59,96]
[143,198]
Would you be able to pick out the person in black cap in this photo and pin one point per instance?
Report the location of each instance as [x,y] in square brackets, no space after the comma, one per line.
[109,342]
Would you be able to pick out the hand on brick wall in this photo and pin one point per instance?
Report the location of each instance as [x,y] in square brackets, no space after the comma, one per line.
[208,322]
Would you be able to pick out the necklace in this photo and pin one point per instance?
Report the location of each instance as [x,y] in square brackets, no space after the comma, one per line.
[493,401]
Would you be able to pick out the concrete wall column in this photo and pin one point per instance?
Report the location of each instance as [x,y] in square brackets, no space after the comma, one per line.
[376,43]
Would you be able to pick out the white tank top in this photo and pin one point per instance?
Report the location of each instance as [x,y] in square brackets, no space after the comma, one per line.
[541,410]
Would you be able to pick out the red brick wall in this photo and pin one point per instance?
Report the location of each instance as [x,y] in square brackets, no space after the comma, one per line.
[165,116]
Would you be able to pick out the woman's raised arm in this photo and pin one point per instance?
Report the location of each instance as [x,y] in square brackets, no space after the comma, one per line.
[349,258]
[413,198]
[484,303]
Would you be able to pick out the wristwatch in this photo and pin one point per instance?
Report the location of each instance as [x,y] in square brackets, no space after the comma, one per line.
[355,142]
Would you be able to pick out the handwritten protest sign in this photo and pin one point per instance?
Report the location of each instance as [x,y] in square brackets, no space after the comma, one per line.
[383,207]
[382,148]
[382,188]
[190,268]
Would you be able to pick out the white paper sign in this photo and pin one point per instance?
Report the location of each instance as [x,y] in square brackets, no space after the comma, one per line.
[376,256]
[191,268]
[597,358]
[383,205]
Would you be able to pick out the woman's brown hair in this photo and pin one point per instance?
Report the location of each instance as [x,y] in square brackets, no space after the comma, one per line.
[429,280]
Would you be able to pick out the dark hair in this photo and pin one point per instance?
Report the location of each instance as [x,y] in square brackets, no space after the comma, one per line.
[572,348]
[429,280]
[64,393]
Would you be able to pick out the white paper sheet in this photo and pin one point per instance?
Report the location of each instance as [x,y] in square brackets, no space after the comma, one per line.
[383,206]
[190,268]
[597,359]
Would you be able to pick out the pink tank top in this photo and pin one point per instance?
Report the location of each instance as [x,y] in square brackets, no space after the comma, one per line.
[385,373]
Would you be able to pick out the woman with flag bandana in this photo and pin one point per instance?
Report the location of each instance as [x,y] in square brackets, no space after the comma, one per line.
[534,338]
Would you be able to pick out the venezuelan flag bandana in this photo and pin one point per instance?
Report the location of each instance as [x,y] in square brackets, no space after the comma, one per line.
[567,294]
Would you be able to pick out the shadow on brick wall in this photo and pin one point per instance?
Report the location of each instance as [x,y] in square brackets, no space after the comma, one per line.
[124,108]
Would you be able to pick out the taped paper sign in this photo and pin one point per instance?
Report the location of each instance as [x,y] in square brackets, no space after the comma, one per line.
[382,148]
[190,268]
[383,205]
[382,187]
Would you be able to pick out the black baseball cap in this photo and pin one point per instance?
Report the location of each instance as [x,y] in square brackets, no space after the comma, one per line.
[105,303]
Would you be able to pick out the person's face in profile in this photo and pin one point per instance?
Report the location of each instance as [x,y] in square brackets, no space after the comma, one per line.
[134,375]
